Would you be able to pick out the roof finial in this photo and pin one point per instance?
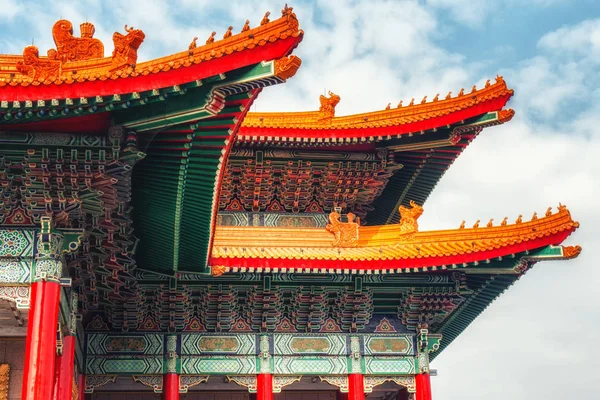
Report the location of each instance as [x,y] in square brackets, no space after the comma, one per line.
[549,212]
[449,96]
[534,216]
[193,45]
[246,26]
[412,102]
[388,106]
[519,219]
[399,104]
[474,89]
[491,223]
[437,97]
[211,38]
[462,225]
[476,224]
[504,221]
[266,19]
[487,83]
[424,100]
[228,32]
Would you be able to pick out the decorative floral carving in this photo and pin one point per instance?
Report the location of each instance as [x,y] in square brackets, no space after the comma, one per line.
[18,294]
[406,381]
[339,381]
[247,381]
[95,381]
[345,233]
[188,381]
[153,381]
[408,219]
[280,382]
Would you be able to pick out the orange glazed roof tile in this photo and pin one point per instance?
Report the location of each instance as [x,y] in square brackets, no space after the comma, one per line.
[236,247]
[81,59]
[325,118]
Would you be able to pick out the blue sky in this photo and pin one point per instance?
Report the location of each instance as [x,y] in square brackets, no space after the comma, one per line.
[538,341]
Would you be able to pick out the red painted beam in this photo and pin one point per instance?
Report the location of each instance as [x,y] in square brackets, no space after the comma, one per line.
[40,348]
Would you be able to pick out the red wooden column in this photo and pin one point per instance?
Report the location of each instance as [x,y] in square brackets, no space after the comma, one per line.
[264,387]
[423,384]
[81,386]
[66,366]
[356,387]
[40,348]
[171,386]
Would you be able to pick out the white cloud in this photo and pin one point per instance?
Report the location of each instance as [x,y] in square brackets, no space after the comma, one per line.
[10,8]
[582,39]
[471,12]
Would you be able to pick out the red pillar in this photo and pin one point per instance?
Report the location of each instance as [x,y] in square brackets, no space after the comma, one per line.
[40,348]
[81,386]
[171,386]
[64,389]
[423,384]
[264,387]
[356,387]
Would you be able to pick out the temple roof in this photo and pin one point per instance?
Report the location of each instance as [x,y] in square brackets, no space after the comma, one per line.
[324,124]
[81,60]
[389,248]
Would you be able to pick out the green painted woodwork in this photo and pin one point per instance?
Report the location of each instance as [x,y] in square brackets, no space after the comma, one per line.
[174,186]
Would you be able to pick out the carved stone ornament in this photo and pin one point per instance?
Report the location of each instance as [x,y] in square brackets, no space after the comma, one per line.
[95,381]
[339,381]
[4,378]
[345,233]
[153,381]
[188,381]
[405,381]
[247,381]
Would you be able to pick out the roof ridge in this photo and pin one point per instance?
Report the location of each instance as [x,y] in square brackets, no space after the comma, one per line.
[32,69]
[387,117]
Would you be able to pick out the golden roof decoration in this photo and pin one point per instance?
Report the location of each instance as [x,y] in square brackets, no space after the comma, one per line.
[80,59]
[345,233]
[325,118]
[383,242]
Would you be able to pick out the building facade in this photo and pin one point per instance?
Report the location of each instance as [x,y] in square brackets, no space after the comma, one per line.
[157,240]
